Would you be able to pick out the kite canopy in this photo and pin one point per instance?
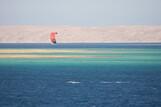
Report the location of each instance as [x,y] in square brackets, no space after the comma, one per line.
[53,37]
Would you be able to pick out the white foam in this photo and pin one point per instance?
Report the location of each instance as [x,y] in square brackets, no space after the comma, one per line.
[115,82]
[106,82]
[73,82]
[121,82]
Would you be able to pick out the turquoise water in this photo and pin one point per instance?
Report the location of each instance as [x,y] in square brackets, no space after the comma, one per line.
[80,75]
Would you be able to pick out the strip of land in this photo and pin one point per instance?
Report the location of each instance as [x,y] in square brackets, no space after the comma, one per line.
[71,34]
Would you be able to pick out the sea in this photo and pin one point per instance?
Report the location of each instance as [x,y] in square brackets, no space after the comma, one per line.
[80,75]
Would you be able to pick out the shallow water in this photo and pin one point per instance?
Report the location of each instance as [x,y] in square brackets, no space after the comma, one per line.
[80,75]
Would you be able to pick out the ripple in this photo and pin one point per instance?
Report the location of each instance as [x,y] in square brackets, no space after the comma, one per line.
[115,82]
[73,82]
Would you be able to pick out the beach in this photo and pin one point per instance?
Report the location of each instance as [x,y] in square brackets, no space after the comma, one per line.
[76,34]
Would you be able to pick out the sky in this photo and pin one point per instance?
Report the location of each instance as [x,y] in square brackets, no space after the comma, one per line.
[80,12]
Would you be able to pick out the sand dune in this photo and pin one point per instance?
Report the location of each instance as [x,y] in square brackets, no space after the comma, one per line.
[69,34]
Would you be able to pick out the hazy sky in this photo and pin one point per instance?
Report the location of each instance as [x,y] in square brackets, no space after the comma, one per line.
[80,12]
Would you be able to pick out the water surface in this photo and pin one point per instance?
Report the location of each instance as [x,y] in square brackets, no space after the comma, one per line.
[80,75]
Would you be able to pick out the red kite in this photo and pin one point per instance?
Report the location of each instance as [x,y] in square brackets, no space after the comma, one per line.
[53,37]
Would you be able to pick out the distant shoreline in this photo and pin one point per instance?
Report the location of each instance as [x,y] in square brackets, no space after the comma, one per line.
[75,34]
[81,43]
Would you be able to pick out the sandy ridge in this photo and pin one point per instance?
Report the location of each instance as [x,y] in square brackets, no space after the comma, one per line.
[71,34]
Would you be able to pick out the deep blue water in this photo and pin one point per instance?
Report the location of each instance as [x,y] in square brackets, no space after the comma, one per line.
[76,83]
[80,45]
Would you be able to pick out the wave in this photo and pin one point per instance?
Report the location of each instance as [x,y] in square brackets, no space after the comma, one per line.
[115,82]
[102,82]
[73,82]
